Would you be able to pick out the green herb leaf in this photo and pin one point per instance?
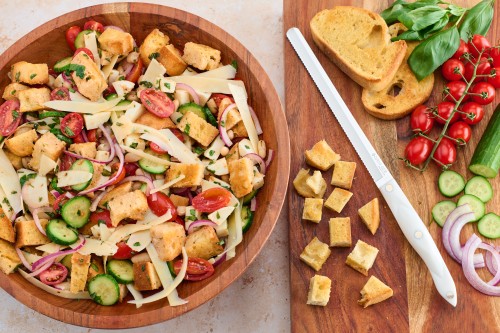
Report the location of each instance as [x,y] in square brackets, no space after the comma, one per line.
[234,63]
[146,84]
[456,10]
[422,17]
[78,69]
[32,76]
[187,128]
[153,55]
[69,132]
[477,20]
[409,35]
[27,177]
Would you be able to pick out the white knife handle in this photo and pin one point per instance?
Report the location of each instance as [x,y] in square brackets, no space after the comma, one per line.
[420,239]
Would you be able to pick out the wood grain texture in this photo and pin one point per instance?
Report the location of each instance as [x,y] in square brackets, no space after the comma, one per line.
[416,306]
[47,44]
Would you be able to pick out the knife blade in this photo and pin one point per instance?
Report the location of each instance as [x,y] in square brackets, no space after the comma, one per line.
[407,218]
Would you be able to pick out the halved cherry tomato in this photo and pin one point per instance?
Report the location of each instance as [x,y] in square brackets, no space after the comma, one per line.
[124,251]
[446,153]
[178,134]
[483,93]
[10,117]
[79,138]
[179,220]
[72,124]
[212,199]
[197,269]
[157,149]
[55,274]
[454,90]
[86,51]
[92,135]
[135,72]
[93,25]
[162,205]
[157,102]
[71,34]
[453,69]
[477,44]
[114,169]
[484,68]
[60,94]
[494,80]
[444,110]
[421,120]
[66,162]
[219,97]
[473,113]
[102,216]
[460,131]
[418,150]
[59,202]
[463,48]
[130,168]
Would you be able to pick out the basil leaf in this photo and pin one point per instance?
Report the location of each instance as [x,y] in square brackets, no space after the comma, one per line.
[437,26]
[433,52]
[409,35]
[478,20]
[390,15]
[422,17]
[422,3]
[456,10]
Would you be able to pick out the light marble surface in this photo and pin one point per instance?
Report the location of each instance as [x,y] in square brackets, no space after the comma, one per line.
[259,300]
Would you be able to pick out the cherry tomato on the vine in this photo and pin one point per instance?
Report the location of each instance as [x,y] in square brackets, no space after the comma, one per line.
[477,44]
[463,48]
[472,113]
[446,152]
[460,131]
[418,150]
[444,110]
[454,91]
[495,56]
[484,68]
[483,93]
[421,120]
[453,69]
[494,79]
[71,34]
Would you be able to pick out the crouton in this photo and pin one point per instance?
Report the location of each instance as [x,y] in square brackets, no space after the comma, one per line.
[241,176]
[9,260]
[338,199]
[96,267]
[87,228]
[362,257]
[321,156]
[233,154]
[86,149]
[7,231]
[319,290]
[90,81]
[116,42]
[304,190]
[198,128]
[316,182]
[22,144]
[131,205]
[96,176]
[151,46]
[239,130]
[203,243]
[193,174]
[12,91]
[168,239]
[49,145]
[29,73]
[177,200]
[233,116]
[145,276]
[33,99]
[171,59]
[315,254]
[79,271]
[16,161]
[340,232]
[201,56]
[312,210]
[28,234]
[370,215]
[151,120]
[374,291]
[343,174]
[115,192]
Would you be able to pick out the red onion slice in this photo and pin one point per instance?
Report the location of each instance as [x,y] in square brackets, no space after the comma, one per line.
[460,210]
[95,202]
[200,223]
[190,90]
[255,120]
[55,194]
[53,256]
[84,135]
[253,204]
[270,156]
[37,220]
[222,125]
[490,264]
[259,160]
[127,67]
[41,268]
[75,155]
[219,260]
[493,253]
[23,259]
[112,179]
[454,238]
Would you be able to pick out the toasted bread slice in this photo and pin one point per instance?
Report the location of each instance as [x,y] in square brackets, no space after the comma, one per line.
[370,214]
[358,42]
[374,291]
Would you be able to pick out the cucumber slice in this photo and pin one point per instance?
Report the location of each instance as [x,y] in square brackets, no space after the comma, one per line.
[450,183]
[124,102]
[66,261]
[247,198]
[151,166]
[111,96]
[121,270]
[170,265]
[193,107]
[479,187]
[246,218]
[486,159]
[80,40]
[441,211]
[210,117]
[489,226]
[63,64]
[60,233]
[50,114]
[57,132]
[104,289]
[82,165]
[76,211]
[477,206]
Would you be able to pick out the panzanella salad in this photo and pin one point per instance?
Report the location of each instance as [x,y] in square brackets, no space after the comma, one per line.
[125,168]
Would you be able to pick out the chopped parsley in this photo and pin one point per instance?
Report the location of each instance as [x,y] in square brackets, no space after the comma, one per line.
[167,85]
[13,92]
[234,63]
[17,76]
[78,69]
[247,147]
[94,267]
[154,55]
[179,119]
[32,76]
[211,152]
[137,244]
[15,114]
[134,145]
[61,93]
[198,150]
[69,132]
[223,123]
[217,215]
[119,124]
[187,129]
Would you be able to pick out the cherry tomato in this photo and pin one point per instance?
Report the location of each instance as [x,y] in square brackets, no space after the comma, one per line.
[86,51]
[177,133]
[473,113]
[484,68]
[444,110]
[66,162]
[10,117]
[418,150]
[483,93]
[157,102]
[453,69]
[460,131]
[93,25]
[135,72]
[421,120]
[446,153]
[197,269]
[92,135]
[219,97]
[477,44]
[72,124]
[180,221]
[71,34]
[108,91]
[55,274]
[463,48]
[60,94]
[114,169]
[101,217]
[455,90]
[79,138]
[495,56]
[59,202]
[157,149]
[124,251]
[212,199]
[494,80]
[130,168]
[162,205]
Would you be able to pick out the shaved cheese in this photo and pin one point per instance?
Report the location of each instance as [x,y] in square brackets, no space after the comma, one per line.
[245,147]
[93,121]
[136,294]
[35,192]
[120,107]
[4,203]
[219,167]
[98,247]
[134,111]
[139,240]
[123,87]
[207,84]
[10,183]
[224,72]
[96,231]
[213,151]
[147,156]
[82,107]
[105,232]
[154,71]
[49,248]
[102,155]
[167,184]
[240,98]
[46,165]
[121,127]
[53,291]
[128,229]
[31,258]
[167,85]
[220,215]
[106,70]
[77,97]
[91,44]
[235,237]
[176,117]
[221,230]
[72,177]
[189,72]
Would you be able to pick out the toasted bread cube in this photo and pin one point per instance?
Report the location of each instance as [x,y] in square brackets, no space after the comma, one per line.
[29,235]
[233,154]
[198,128]
[171,59]
[145,276]
[343,174]
[96,267]
[79,271]
[90,81]
[315,254]
[178,200]
[49,145]
[300,184]
[32,99]
[168,239]
[131,205]
[338,199]
[16,161]
[116,41]
[316,182]
[201,56]
[151,120]
[22,144]
[362,257]
[319,290]
[233,116]
[203,243]
[374,291]
[29,73]
[86,149]
[193,174]
[96,176]
[115,192]
[87,228]
[340,232]
[241,176]
[152,45]
[9,260]
[312,210]
[12,90]
[321,156]
[7,231]
[370,215]
[240,131]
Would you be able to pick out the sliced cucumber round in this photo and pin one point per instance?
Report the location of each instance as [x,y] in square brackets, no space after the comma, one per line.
[82,165]
[489,226]
[210,117]
[80,39]
[49,114]
[194,108]
[66,261]
[479,187]
[441,211]
[450,183]
[60,233]
[150,166]
[121,270]
[76,211]
[104,289]
[477,206]
[246,218]
[247,198]
[63,64]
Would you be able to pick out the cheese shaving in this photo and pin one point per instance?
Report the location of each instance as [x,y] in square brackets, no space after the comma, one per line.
[207,84]
[128,229]
[147,156]
[83,107]
[72,177]
[224,72]
[240,98]
[167,184]
[136,294]
[106,70]
[91,44]
[10,184]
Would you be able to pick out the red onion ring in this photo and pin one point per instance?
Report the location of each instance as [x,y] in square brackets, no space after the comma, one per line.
[255,120]
[253,204]
[23,259]
[84,135]
[220,260]
[222,125]
[112,179]
[460,210]
[127,68]
[57,254]
[55,194]
[257,159]
[270,156]
[454,238]
[95,202]
[38,224]
[190,90]
[42,268]
[200,223]
[182,191]
[490,264]
[490,249]
[75,155]
[69,195]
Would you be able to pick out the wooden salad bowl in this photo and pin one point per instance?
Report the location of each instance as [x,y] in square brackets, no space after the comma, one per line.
[47,44]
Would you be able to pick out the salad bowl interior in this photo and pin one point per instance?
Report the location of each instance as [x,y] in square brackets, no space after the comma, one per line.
[46,44]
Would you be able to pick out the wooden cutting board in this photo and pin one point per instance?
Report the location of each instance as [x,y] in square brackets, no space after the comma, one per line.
[416,306]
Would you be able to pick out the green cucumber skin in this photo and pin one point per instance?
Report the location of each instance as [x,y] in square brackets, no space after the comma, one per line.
[486,159]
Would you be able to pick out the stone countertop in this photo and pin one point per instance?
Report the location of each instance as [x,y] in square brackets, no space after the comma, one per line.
[259,300]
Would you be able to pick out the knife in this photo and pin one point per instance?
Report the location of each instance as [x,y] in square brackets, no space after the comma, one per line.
[410,223]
